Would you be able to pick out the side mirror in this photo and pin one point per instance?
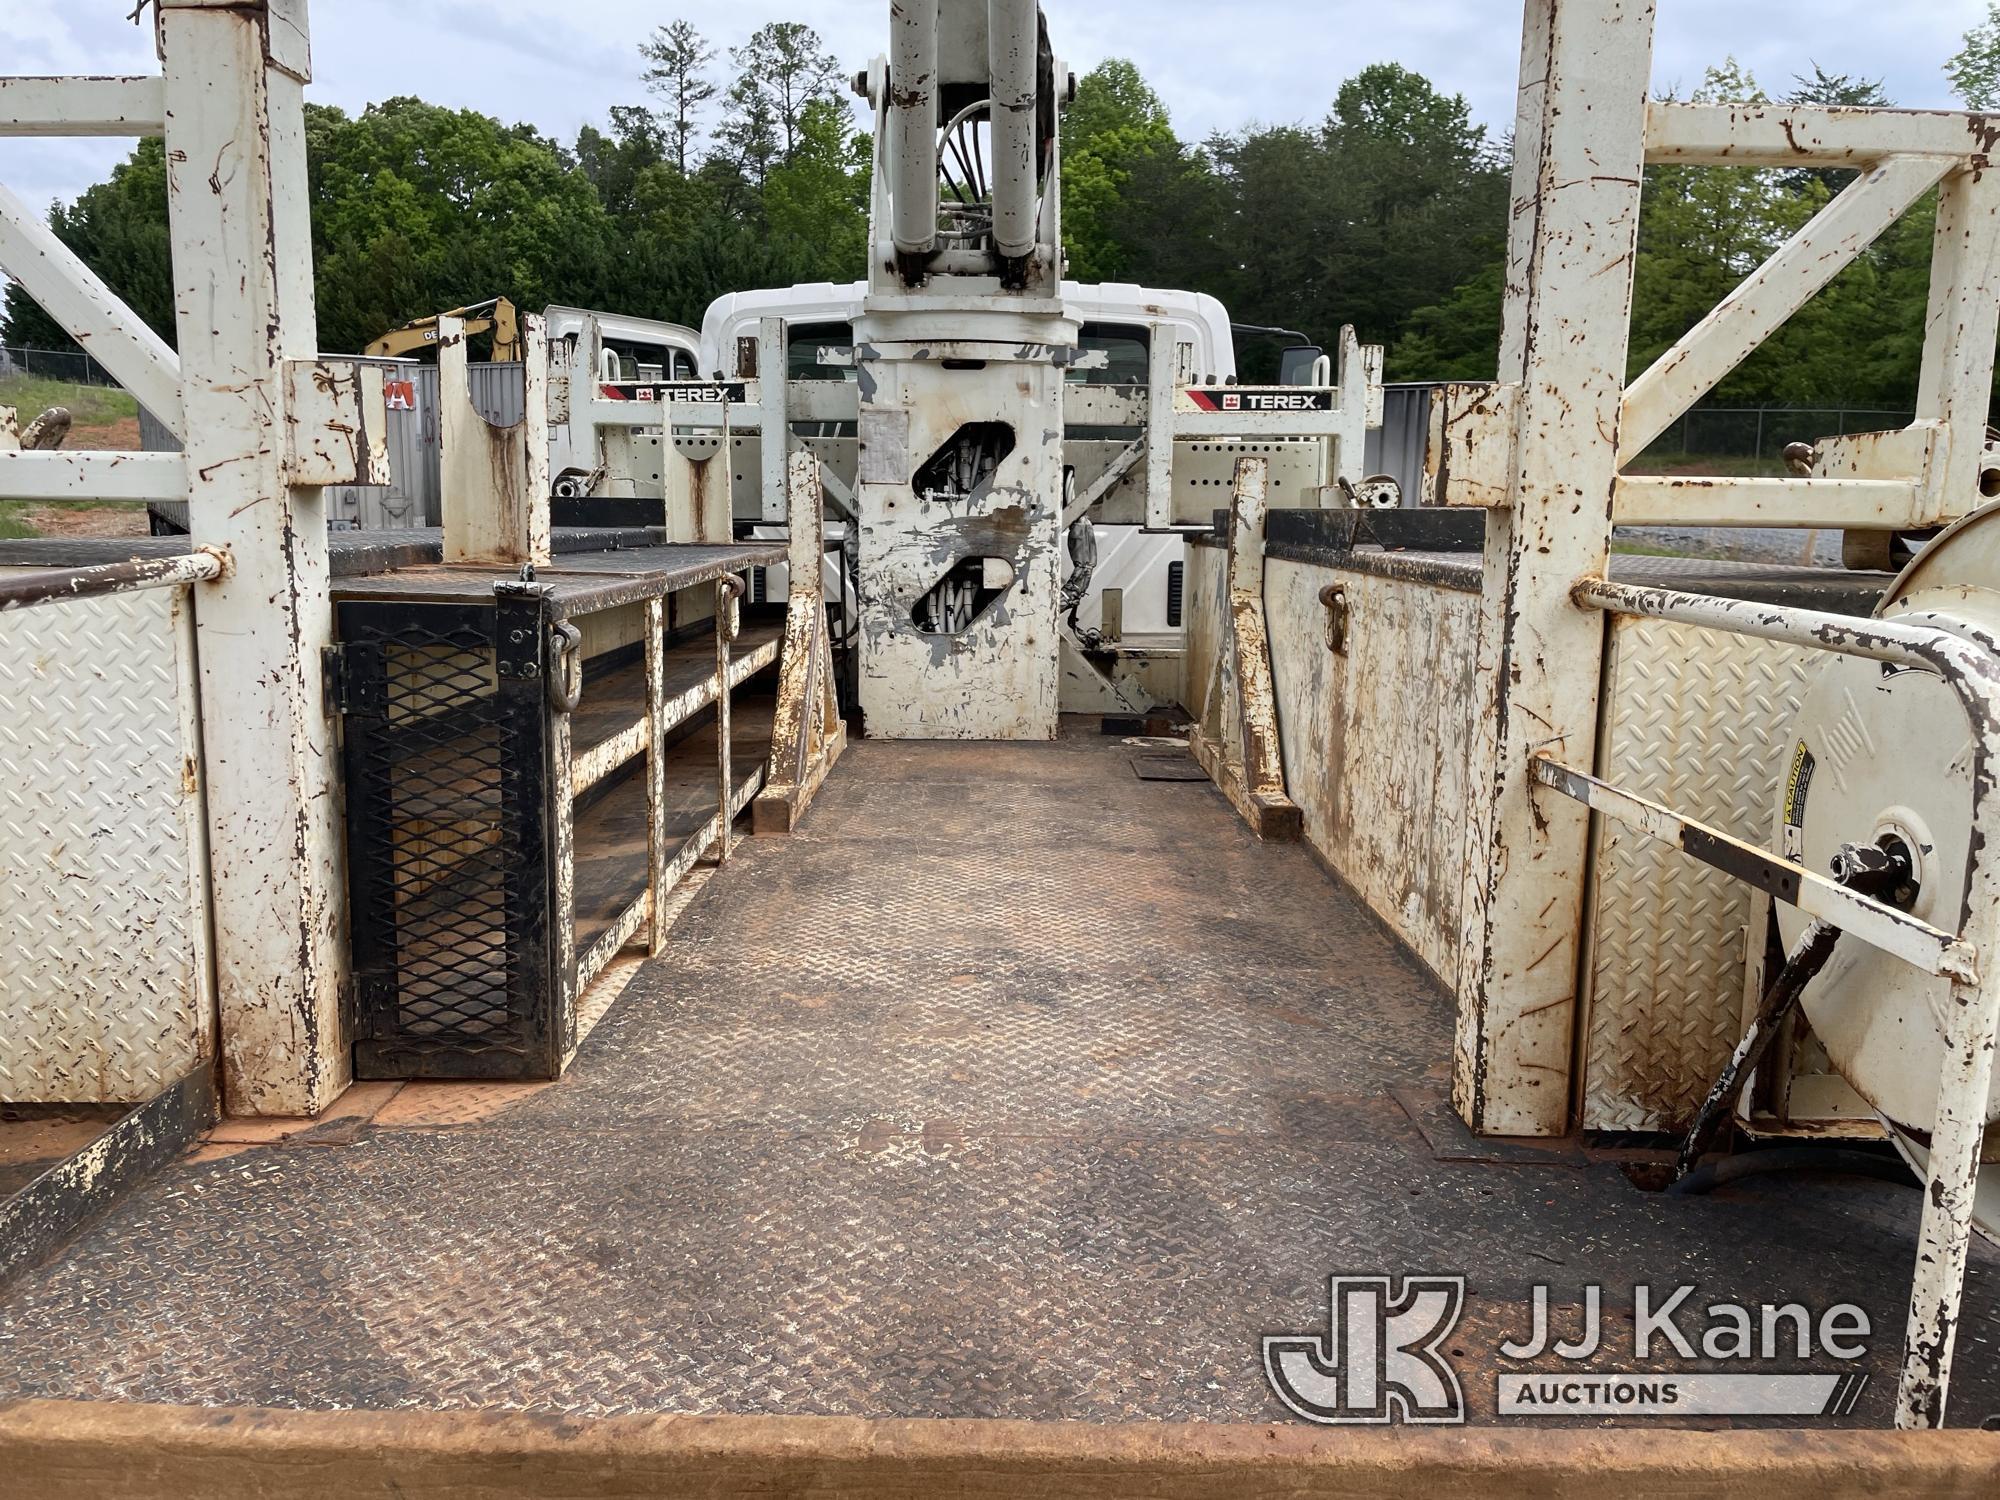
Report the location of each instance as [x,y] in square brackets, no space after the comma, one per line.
[1297,364]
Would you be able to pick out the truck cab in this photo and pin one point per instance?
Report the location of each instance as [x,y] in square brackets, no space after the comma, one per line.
[602,352]
[1138,573]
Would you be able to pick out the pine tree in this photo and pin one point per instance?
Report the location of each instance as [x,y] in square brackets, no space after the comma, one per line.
[1841,90]
[781,71]
[678,58]
[748,134]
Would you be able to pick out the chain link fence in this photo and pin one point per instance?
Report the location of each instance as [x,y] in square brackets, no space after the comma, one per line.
[1748,441]
[71,366]
[1752,439]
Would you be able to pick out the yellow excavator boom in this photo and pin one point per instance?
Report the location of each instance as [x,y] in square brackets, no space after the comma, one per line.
[496,315]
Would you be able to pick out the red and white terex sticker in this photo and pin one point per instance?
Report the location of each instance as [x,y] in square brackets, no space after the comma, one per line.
[703,393]
[1254,398]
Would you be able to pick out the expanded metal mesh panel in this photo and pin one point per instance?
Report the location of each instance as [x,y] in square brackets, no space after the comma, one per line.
[104,988]
[444,831]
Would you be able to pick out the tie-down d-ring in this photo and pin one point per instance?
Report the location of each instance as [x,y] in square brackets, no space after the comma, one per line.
[732,624]
[564,683]
[1334,597]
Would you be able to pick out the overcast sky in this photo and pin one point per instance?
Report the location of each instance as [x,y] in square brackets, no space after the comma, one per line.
[1217,63]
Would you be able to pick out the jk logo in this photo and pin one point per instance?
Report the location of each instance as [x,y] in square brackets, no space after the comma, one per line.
[1380,1361]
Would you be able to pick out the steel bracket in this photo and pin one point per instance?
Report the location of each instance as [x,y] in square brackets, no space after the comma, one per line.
[807,732]
[1237,742]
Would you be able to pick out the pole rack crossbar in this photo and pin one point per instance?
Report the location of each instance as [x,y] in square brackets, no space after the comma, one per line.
[83,106]
[1929,948]
[1966,659]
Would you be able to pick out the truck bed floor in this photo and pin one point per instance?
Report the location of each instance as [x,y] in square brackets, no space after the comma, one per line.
[1012,1086]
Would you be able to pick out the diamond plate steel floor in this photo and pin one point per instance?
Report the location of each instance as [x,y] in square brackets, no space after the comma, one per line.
[1012,1086]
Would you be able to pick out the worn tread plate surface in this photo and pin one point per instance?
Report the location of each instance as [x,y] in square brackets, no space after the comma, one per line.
[1666,966]
[1013,1087]
[102,950]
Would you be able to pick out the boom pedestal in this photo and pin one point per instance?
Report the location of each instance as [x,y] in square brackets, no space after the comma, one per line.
[961,481]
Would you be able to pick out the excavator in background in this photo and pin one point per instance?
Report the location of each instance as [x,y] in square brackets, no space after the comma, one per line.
[495,315]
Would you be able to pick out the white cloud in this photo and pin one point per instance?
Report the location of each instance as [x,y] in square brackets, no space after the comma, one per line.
[1218,63]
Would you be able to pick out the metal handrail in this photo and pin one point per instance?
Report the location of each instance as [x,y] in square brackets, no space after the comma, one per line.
[28,590]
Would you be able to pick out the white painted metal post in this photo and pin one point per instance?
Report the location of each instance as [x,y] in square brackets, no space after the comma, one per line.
[1944,1237]
[727,591]
[1956,386]
[772,390]
[657,856]
[1580,150]
[244,305]
[1956,389]
[495,480]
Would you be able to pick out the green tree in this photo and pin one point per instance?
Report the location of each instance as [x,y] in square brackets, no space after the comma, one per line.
[1975,70]
[119,228]
[1458,338]
[1116,128]
[818,200]
[781,72]
[1701,231]
[1842,90]
[1413,200]
[416,208]
[748,134]
[1389,206]
[677,62]
[614,163]
[1114,97]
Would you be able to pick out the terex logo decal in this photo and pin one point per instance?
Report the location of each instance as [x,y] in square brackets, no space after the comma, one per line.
[703,393]
[1254,400]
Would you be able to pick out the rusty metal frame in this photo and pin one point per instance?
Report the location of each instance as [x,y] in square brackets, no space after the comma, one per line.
[266,424]
[1237,741]
[26,590]
[1757,308]
[807,733]
[1542,451]
[649,735]
[495,480]
[82,1450]
[1969,663]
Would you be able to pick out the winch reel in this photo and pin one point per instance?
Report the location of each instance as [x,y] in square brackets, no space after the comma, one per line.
[1883,755]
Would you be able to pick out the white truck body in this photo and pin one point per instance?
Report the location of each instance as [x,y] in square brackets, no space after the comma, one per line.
[593,348]
[1138,564]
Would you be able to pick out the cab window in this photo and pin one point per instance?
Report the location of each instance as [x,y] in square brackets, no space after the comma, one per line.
[807,342]
[651,362]
[1127,352]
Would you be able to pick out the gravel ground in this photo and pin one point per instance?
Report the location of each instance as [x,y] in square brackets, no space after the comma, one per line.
[1733,544]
